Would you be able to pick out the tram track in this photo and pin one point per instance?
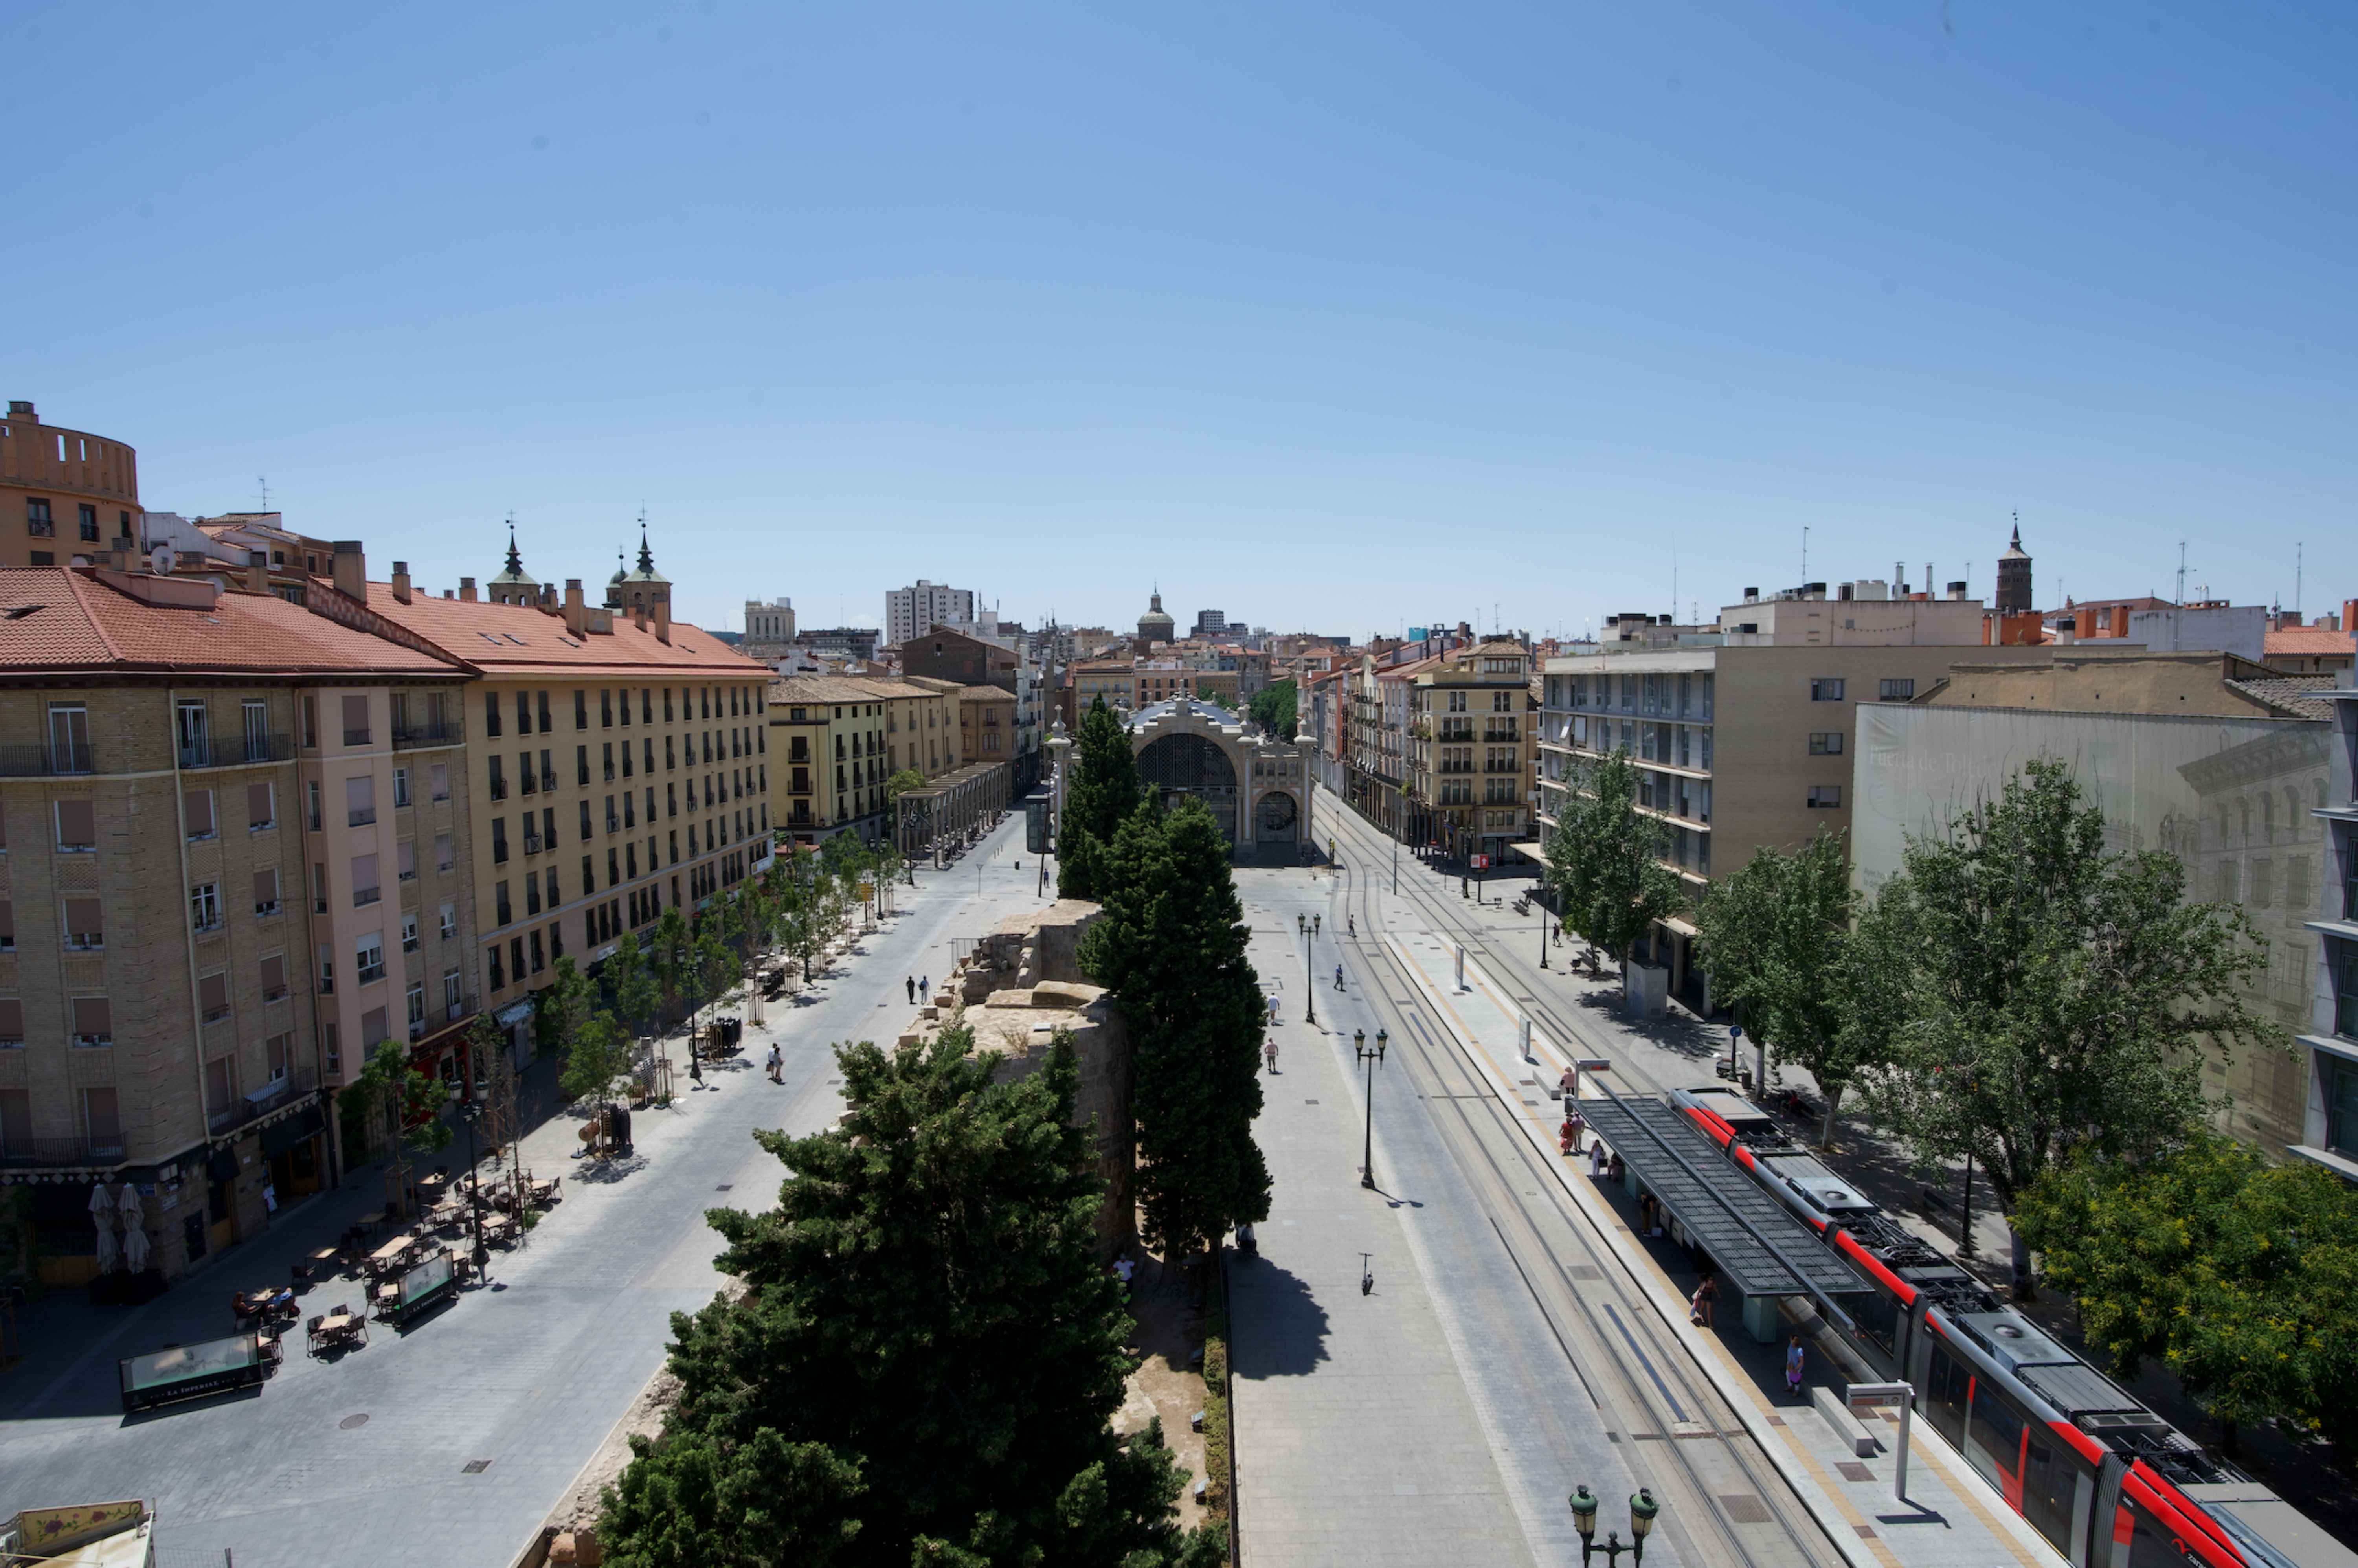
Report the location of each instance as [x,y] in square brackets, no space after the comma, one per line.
[1732,1504]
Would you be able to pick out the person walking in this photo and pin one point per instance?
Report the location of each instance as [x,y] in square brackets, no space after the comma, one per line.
[777,1064]
[1596,1162]
[694,1065]
[1351,923]
[1269,1053]
[1338,977]
[1793,1359]
[1699,1305]
[925,986]
[912,982]
[1317,924]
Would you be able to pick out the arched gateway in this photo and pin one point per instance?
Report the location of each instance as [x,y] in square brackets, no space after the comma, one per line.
[1257,786]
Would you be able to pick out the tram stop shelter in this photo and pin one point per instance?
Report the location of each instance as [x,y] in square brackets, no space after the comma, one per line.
[1760,1249]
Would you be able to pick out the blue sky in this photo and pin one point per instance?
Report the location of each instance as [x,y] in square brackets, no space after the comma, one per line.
[1337,318]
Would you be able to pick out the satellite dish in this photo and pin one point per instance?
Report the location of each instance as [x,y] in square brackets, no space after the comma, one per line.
[162,560]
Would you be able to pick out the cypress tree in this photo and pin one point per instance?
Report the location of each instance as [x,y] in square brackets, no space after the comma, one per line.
[1100,794]
[927,1355]
[1171,948]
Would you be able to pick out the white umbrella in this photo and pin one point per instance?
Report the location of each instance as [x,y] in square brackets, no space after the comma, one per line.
[105,1250]
[134,1249]
[101,1202]
[128,1202]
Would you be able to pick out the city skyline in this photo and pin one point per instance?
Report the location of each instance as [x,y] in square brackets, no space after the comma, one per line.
[1630,297]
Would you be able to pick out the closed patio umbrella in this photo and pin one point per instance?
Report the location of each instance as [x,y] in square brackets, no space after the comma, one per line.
[134,1249]
[101,1202]
[106,1256]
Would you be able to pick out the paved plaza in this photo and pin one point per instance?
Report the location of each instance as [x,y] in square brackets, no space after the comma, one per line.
[449,1443]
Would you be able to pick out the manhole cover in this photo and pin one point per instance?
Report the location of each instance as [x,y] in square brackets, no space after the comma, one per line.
[1310,1102]
[1743,1508]
[349,1422]
[724,1186]
[1852,1470]
[474,1466]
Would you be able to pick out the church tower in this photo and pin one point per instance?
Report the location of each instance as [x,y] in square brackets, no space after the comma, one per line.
[2014,578]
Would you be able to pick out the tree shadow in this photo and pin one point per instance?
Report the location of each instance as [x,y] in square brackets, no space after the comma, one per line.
[608,1170]
[1276,1326]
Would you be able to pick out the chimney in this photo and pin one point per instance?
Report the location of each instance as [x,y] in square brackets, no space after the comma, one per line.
[401,581]
[2350,615]
[2083,625]
[662,619]
[466,590]
[548,597]
[639,615]
[577,614]
[257,571]
[18,410]
[352,572]
[2120,620]
[1956,591]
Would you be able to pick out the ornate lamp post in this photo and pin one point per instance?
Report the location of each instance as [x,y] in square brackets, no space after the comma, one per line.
[1309,975]
[1373,1059]
[1643,1510]
[470,1113]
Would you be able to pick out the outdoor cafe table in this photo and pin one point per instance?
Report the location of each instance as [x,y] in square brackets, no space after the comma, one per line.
[370,1220]
[389,1254]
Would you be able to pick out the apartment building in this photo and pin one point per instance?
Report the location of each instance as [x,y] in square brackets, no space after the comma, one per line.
[228,864]
[60,490]
[619,766]
[2330,1122]
[842,738]
[986,725]
[1380,700]
[1469,750]
[1743,736]
[917,609]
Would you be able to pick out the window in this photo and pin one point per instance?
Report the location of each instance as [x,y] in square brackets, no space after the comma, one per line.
[77,826]
[85,925]
[204,906]
[1895,690]
[499,840]
[417,1001]
[101,1124]
[319,889]
[500,906]
[400,786]
[492,979]
[1826,795]
[309,709]
[491,713]
[1826,743]
[87,516]
[311,808]
[525,782]
[326,975]
[372,1024]
[365,889]
[8,925]
[438,782]
[359,800]
[197,813]
[261,807]
[356,721]
[580,710]
[274,977]
[531,893]
[451,1001]
[265,892]
[69,738]
[38,521]
[257,732]
[12,1038]
[537,963]
[212,997]
[92,1021]
[190,730]
[494,765]
[405,861]
[450,927]
[541,702]
[442,852]
[1826,688]
[547,772]
[523,713]
[610,762]
[369,954]
[605,709]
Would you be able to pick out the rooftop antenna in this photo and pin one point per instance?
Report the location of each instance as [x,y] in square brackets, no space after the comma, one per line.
[2297,547]
[1805,553]
[264,480]
[2181,571]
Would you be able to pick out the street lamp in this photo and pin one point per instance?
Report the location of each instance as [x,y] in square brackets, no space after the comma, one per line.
[1543,924]
[470,1113]
[1643,1510]
[1373,1059]
[1309,974]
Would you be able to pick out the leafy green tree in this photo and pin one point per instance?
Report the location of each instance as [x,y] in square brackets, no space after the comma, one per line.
[1099,798]
[600,1051]
[404,1105]
[1172,949]
[2056,993]
[1207,692]
[1273,708]
[2239,1276]
[638,995]
[668,946]
[902,782]
[1604,860]
[1777,936]
[563,1006]
[924,1360]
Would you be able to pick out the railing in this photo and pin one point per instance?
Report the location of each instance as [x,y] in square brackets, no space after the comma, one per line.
[362,818]
[92,1042]
[277,993]
[532,843]
[364,897]
[215,1014]
[499,789]
[35,760]
[405,737]
[25,1153]
[357,737]
[548,779]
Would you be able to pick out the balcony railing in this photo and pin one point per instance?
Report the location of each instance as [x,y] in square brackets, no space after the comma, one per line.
[532,843]
[363,897]
[33,1153]
[360,818]
[296,1080]
[37,761]
[357,737]
[447,734]
[238,753]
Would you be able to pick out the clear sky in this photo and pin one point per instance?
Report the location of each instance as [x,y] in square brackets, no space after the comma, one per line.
[1343,317]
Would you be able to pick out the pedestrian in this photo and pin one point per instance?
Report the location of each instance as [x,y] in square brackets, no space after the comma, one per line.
[1596,1162]
[1563,1137]
[1268,1052]
[912,982]
[1338,977]
[1569,1085]
[1351,923]
[1318,921]
[694,1066]
[1614,1169]
[926,985]
[1793,1359]
[1699,1307]
[777,1064]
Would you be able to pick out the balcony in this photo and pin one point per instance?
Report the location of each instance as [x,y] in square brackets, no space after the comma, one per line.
[532,843]
[362,818]
[409,736]
[38,1154]
[92,1042]
[52,760]
[237,753]
[295,1081]
[364,897]
[548,779]
[499,789]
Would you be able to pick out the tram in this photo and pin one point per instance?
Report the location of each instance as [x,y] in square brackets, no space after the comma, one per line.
[2104,1479]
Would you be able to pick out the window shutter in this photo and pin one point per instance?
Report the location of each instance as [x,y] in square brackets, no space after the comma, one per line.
[8,922]
[265,888]
[257,805]
[360,793]
[12,1019]
[373,1025]
[197,804]
[356,714]
[83,920]
[91,1015]
[274,974]
[213,993]
[408,858]
[78,824]
[363,874]
[105,1125]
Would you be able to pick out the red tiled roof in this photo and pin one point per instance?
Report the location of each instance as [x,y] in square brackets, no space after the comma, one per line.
[61,618]
[504,639]
[2309,639]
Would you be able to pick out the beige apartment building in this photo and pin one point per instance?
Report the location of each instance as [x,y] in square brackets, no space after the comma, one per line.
[841,739]
[219,883]
[1742,736]
[1469,749]
[618,764]
[62,493]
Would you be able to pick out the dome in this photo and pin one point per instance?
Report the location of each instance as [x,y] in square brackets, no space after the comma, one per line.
[1154,626]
